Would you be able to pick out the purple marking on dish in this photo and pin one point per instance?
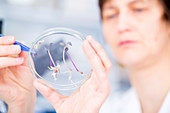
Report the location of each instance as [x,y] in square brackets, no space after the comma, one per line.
[69,43]
[51,44]
[46,47]
[66,49]
[71,61]
[50,63]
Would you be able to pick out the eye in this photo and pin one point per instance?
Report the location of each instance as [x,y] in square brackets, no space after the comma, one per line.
[138,10]
[112,16]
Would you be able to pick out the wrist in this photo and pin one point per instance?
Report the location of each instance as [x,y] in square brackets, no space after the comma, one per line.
[22,108]
[25,104]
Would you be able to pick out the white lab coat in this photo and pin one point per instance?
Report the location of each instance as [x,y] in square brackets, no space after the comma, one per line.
[129,103]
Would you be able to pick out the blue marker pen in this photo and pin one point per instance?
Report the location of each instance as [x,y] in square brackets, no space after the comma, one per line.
[23,47]
[1,35]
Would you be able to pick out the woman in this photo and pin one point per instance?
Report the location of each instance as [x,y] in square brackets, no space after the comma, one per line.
[138,32]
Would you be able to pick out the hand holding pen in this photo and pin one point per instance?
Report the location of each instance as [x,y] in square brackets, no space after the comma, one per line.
[16,80]
[23,47]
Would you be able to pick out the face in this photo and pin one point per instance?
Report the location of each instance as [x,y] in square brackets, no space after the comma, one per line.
[135,30]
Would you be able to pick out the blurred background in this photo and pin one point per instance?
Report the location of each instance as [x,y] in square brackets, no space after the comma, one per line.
[27,19]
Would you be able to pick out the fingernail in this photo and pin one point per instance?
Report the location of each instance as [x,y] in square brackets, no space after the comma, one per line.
[20,59]
[91,40]
[86,44]
[89,37]
[10,39]
[16,48]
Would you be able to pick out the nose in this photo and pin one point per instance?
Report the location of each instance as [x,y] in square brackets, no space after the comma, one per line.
[123,24]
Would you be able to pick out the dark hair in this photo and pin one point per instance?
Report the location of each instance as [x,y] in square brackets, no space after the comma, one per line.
[165,4]
[1,26]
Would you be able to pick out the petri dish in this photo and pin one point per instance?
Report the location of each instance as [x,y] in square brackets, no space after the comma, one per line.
[57,59]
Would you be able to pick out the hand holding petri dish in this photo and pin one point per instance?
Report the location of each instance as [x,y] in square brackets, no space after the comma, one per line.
[57,59]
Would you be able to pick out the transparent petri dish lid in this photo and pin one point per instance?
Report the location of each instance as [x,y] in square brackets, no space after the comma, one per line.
[57,59]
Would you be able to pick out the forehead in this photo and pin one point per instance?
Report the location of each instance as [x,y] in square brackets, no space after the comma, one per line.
[129,0]
[110,4]
[121,2]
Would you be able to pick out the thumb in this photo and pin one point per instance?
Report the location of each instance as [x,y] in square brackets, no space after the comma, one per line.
[50,94]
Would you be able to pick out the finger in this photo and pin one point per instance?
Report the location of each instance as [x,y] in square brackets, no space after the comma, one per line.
[50,94]
[93,58]
[7,40]
[25,55]
[100,52]
[9,61]
[9,50]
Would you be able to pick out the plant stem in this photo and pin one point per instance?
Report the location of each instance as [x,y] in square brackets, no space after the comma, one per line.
[51,58]
[64,59]
[72,61]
